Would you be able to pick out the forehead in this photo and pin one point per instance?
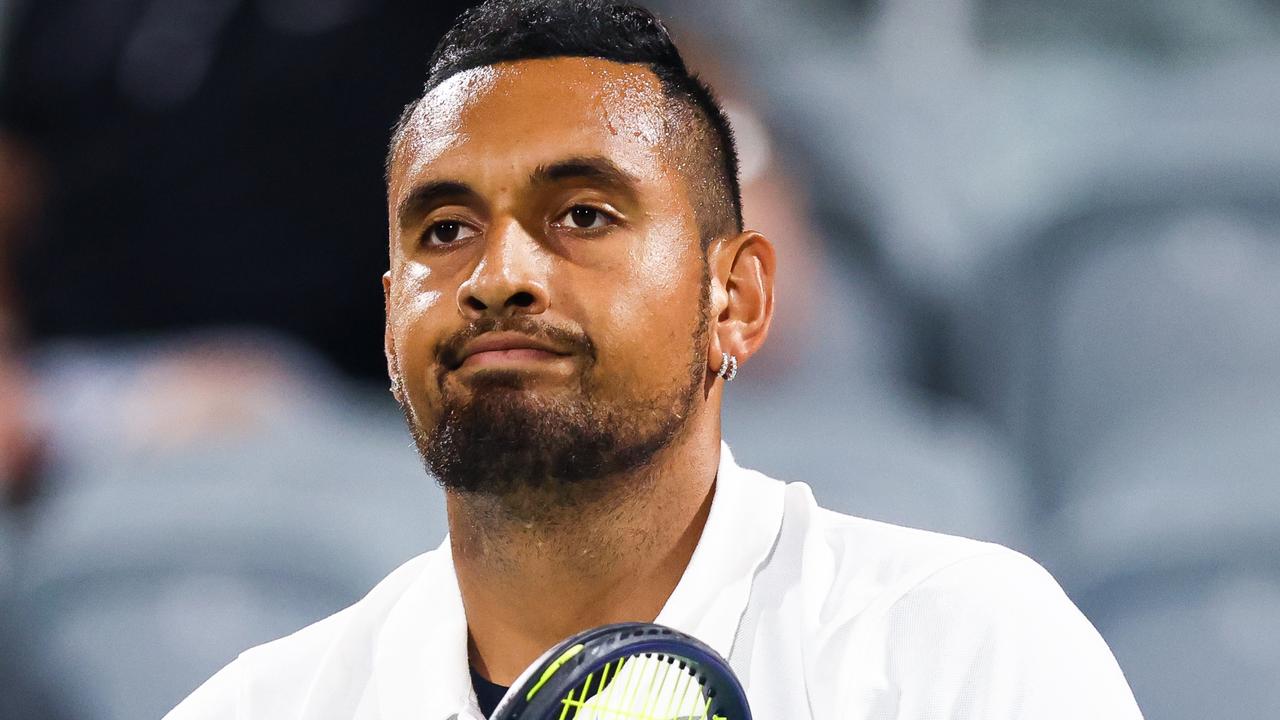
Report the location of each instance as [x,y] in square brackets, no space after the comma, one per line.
[517,115]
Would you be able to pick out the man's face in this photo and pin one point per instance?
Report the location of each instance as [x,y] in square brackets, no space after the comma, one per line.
[546,302]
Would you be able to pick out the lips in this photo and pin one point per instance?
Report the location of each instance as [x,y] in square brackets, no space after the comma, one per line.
[492,348]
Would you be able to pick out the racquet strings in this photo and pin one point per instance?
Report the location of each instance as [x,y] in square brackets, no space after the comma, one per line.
[648,686]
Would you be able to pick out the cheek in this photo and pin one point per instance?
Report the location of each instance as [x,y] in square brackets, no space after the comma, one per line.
[417,295]
[647,323]
[414,304]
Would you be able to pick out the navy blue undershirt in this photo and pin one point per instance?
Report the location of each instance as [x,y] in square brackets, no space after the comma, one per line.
[487,694]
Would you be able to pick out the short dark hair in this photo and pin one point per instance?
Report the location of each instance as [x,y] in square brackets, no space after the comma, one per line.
[509,30]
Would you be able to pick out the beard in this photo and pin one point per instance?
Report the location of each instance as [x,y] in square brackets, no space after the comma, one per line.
[544,451]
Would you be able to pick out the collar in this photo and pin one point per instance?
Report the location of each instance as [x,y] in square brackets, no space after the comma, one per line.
[745,518]
[420,657]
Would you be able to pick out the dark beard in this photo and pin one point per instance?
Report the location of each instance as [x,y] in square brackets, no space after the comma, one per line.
[503,442]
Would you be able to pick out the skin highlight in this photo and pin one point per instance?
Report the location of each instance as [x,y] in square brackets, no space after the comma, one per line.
[516,226]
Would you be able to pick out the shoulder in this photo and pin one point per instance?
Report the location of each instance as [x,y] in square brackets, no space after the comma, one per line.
[956,627]
[867,570]
[291,664]
[857,565]
[995,636]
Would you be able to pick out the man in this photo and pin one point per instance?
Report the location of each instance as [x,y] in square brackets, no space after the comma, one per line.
[570,290]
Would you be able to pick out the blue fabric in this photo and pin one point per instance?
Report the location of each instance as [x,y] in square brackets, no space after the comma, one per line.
[488,694]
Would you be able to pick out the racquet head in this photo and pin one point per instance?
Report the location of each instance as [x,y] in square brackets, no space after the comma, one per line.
[627,671]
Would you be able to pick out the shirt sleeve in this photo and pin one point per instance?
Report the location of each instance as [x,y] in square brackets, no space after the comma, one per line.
[995,637]
[217,699]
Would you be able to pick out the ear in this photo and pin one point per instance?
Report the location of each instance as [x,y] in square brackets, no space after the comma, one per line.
[742,271]
[388,343]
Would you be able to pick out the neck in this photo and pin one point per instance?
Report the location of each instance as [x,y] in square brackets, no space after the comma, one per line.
[529,579]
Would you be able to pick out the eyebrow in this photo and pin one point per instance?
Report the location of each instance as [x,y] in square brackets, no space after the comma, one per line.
[421,199]
[593,169]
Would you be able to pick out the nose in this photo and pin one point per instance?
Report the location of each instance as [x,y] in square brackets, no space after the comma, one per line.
[509,279]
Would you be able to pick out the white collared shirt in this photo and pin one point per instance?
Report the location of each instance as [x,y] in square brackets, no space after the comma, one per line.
[822,615]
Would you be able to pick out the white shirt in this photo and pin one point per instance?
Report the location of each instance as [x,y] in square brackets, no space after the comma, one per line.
[822,615]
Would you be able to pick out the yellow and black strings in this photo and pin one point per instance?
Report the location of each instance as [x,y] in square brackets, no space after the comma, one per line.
[640,687]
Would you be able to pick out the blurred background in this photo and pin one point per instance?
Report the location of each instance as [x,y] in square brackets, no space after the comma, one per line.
[1027,292]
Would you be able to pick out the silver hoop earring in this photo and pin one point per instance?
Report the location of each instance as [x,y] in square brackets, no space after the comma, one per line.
[728,367]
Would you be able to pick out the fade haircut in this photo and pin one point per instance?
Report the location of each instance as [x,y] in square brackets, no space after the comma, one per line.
[510,30]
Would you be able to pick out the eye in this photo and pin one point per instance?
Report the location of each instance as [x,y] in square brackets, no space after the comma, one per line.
[584,217]
[446,232]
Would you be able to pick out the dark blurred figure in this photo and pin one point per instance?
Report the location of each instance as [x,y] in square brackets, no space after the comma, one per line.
[206,162]
[167,166]
[19,439]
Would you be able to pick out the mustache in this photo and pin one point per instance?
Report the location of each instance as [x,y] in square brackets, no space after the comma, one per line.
[449,350]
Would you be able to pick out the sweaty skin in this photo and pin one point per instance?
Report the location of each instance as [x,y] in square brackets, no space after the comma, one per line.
[554,189]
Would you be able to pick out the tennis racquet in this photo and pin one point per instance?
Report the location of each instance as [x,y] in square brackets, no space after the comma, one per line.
[627,671]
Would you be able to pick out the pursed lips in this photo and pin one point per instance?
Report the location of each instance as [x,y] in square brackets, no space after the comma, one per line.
[495,348]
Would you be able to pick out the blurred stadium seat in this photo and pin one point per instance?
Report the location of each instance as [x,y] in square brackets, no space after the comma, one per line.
[1161,28]
[18,699]
[1109,316]
[1197,641]
[133,643]
[883,454]
[1175,553]
[1195,479]
[147,571]
[8,542]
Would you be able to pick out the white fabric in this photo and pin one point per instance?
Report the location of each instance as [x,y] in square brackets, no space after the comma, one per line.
[823,616]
